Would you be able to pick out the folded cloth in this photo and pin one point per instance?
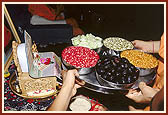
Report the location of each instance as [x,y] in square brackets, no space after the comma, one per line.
[21,54]
[37,20]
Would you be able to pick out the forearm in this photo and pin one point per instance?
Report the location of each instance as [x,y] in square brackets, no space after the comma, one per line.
[62,100]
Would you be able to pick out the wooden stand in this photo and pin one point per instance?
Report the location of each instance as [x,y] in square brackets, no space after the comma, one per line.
[28,84]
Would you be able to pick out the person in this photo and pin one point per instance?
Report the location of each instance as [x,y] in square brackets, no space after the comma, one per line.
[157,102]
[68,90]
[150,47]
[154,47]
[52,14]
[151,96]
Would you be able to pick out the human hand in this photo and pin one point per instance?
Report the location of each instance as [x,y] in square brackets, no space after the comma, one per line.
[69,80]
[145,46]
[143,96]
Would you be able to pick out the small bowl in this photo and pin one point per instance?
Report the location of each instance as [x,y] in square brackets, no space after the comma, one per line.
[115,49]
[86,105]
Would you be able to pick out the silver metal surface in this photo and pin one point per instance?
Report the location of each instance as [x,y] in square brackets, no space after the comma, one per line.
[113,85]
[92,83]
[146,71]
[81,71]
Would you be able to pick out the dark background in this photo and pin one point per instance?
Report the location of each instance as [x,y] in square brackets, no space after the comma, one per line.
[130,21]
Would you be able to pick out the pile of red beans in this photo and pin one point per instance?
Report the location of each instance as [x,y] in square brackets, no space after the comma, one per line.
[80,57]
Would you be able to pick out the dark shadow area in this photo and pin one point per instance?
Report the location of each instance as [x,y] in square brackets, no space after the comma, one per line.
[130,21]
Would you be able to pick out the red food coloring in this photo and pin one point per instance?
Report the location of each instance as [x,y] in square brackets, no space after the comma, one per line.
[81,57]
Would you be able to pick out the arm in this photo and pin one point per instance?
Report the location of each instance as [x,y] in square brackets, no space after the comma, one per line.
[62,100]
[67,91]
[147,46]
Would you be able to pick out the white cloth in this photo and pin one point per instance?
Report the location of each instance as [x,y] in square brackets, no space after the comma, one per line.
[37,20]
[21,54]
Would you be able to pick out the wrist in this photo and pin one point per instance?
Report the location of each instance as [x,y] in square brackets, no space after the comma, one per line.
[154,46]
[67,89]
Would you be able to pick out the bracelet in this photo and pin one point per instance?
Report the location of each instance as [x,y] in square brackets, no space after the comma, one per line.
[153,47]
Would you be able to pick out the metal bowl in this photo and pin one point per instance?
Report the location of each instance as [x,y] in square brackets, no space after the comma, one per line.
[97,49]
[106,83]
[103,51]
[81,71]
[146,71]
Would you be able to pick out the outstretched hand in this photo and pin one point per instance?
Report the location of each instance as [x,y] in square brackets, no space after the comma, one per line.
[145,46]
[145,94]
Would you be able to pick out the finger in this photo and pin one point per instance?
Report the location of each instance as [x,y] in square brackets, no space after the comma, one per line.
[134,42]
[134,96]
[131,108]
[80,82]
[131,92]
[77,86]
[144,88]
[76,73]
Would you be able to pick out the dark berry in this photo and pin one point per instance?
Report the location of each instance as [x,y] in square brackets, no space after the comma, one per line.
[107,62]
[124,60]
[105,76]
[109,73]
[107,67]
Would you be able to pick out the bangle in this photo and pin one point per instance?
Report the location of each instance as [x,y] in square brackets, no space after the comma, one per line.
[153,47]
